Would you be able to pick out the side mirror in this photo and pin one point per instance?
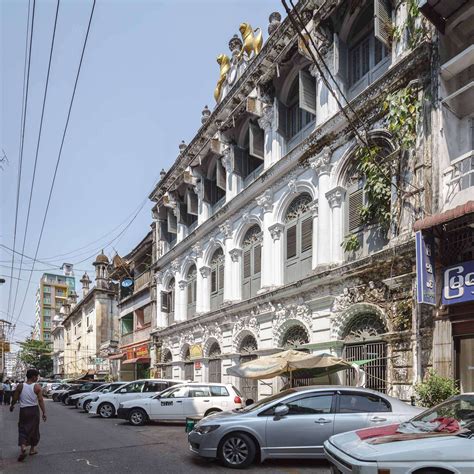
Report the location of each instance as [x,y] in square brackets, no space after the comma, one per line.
[157,397]
[123,390]
[281,410]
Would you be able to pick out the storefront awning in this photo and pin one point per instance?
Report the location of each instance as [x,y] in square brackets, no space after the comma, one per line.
[116,356]
[443,217]
[138,360]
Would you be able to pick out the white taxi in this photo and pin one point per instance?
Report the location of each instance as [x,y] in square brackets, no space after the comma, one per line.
[107,404]
[177,403]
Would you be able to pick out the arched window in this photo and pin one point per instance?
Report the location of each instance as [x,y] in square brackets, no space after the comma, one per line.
[363,342]
[167,368]
[217,279]
[192,291]
[295,336]
[188,365]
[247,349]
[299,238]
[167,301]
[251,262]
[214,183]
[368,53]
[215,366]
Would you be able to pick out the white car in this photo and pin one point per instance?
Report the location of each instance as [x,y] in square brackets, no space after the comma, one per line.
[104,388]
[85,400]
[177,403]
[452,454]
[107,404]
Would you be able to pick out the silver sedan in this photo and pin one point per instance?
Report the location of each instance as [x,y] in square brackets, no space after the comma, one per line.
[293,424]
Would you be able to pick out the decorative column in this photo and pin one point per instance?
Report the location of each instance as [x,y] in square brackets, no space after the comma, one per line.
[161,318]
[277,271]
[204,208]
[278,141]
[226,230]
[266,124]
[181,293]
[200,293]
[236,274]
[322,167]
[234,182]
[205,294]
[182,228]
[335,198]
[265,201]
[314,209]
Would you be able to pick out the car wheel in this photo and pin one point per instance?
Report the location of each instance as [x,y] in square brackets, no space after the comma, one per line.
[138,417]
[211,411]
[237,451]
[432,470]
[87,405]
[106,410]
[67,401]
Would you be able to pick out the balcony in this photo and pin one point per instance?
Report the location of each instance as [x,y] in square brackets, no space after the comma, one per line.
[138,335]
[218,205]
[142,280]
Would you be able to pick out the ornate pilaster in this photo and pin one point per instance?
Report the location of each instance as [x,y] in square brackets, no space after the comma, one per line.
[276,230]
[335,196]
[182,284]
[197,250]
[175,266]
[158,278]
[235,254]
[321,163]
[266,121]
[226,229]
[226,160]
[265,201]
[314,208]
[205,271]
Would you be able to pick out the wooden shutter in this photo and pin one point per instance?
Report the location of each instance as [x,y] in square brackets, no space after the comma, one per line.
[183,214]
[307,234]
[221,276]
[291,242]
[247,269]
[281,125]
[240,158]
[172,222]
[207,190]
[339,57]
[307,92]
[190,291]
[220,175]
[356,201]
[214,280]
[192,202]
[164,235]
[382,22]
[165,301]
[256,141]
[257,259]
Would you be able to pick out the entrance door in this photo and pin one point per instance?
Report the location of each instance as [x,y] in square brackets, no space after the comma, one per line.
[249,387]
[168,372]
[189,371]
[376,370]
[466,364]
[215,371]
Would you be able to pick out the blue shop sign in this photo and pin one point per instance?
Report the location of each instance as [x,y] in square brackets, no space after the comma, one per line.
[458,283]
[127,283]
[425,268]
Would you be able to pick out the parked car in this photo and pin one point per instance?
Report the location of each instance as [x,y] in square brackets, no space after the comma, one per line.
[49,387]
[294,423]
[85,387]
[103,388]
[55,394]
[182,401]
[107,404]
[85,400]
[349,453]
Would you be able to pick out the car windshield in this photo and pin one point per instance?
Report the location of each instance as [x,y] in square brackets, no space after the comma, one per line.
[265,401]
[461,408]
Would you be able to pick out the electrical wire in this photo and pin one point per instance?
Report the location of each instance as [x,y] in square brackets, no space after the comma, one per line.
[37,150]
[59,154]
[26,84]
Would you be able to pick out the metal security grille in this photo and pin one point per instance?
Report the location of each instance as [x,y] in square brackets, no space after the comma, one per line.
[168,371]
[189,371]
[376,370]
[215,371]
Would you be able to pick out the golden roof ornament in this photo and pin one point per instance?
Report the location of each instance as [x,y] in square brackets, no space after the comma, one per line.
[224,62]
[252,39]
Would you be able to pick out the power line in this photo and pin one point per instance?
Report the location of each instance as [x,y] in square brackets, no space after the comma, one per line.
[59,154]
[37,150]
[26,83]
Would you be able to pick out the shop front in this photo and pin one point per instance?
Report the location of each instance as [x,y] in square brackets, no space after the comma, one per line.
[136,363]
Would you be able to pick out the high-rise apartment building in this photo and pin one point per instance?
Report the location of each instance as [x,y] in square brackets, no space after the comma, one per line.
[52,292]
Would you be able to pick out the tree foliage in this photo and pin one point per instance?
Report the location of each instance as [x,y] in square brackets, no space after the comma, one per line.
[37,354]
[435,389]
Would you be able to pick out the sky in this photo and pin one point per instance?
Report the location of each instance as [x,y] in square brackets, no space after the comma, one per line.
[148,71]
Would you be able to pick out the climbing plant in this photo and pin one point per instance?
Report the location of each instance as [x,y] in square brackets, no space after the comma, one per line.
[414,26]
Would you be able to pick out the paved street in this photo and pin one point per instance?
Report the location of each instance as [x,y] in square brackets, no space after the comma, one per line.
[77,443]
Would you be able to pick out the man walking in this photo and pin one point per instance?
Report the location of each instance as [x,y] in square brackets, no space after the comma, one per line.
[7,392]
[29,395]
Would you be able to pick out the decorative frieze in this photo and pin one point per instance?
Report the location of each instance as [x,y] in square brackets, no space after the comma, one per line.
[265,201]
[235,254]
[321,163]
[182,284]
[226,229]
[276,230]
[336,196]
[205,271]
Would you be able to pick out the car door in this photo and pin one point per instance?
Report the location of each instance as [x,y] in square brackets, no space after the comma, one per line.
[302,432]
[221,398]
[198,401]
[354,411]
[170,404]
[130,391]
[381,412]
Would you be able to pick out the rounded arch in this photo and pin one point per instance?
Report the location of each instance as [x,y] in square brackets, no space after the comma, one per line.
[239,339]
[291,76]
[300,187]
[342,323]
[185,352]
[210,345]
[168,277]
[166,356]
[350,19]
[381,137]
[283,329]
[294,336]
[243,228]
[187,264]
[211,249]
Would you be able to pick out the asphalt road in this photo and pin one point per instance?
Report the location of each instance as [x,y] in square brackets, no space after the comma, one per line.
[73,442]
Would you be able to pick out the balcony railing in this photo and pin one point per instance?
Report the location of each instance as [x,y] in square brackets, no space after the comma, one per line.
[253,176]
[218,205]
[126,339]
[142,280]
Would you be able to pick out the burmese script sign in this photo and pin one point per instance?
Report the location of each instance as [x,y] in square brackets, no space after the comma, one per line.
[458,283]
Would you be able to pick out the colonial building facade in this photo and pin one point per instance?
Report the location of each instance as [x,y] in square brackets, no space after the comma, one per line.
[268,229]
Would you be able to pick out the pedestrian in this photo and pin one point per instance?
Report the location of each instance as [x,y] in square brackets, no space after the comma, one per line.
[1,393]
[29,395]
[7,392]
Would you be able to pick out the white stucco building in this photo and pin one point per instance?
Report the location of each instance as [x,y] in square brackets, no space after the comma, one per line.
[250,219]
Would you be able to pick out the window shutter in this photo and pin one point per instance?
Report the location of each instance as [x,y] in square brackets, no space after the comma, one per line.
[164,235]
[192,202]
[172,222]
[356,201]
[339,57]
[257,259]
[220,175]
[221,276]
[240,158]
[214,280]
[382,22]
[282,114]
[307,234]
[247,271]
[194,290]
[307,92]
[207,190]
[256,141]
[165,301]
[291,242]
[183,214]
